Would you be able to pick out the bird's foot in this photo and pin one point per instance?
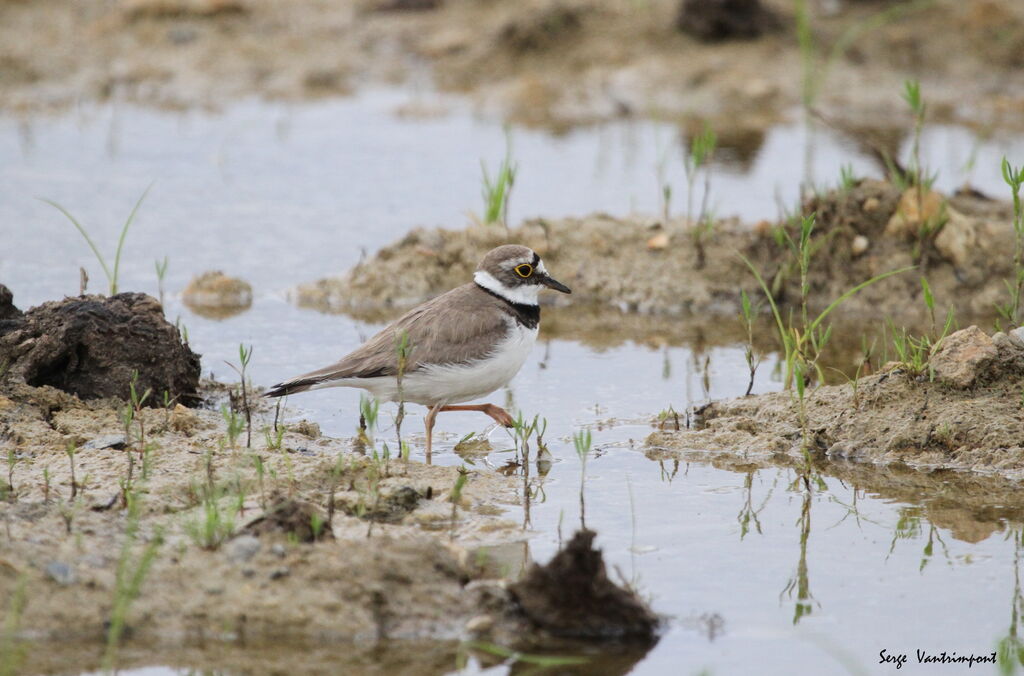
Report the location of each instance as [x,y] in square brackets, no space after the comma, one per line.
[500,415]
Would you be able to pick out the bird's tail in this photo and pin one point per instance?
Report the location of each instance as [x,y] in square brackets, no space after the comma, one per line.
[291,387]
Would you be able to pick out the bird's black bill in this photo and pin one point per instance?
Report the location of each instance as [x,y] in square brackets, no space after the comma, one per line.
[552,283]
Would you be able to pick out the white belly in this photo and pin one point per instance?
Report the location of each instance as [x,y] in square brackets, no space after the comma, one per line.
[456,383]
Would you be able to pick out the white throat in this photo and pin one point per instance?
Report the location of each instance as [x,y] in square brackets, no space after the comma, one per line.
[523,295]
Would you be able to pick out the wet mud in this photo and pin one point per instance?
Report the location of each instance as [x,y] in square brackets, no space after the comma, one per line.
[554,63]
[299,538]
[571,597]
[639,265]
[963,413]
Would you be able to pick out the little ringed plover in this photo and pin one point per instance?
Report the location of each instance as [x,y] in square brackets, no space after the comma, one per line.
[461,345]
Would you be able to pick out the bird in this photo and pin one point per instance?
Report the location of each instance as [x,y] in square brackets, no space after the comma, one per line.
[457,347]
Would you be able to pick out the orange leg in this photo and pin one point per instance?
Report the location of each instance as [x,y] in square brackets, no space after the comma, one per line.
[499,414]
[428,421]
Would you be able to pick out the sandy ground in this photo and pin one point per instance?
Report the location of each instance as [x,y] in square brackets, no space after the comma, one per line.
[553,63]
[610,262]
[968,414]
[398,572]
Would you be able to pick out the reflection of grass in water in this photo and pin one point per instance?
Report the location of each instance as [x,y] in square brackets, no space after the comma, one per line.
[748,513]
[800,583]
[1010,648]
[513,657]
[910,526]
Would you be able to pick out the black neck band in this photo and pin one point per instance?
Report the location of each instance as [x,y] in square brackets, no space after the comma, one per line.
[525,314]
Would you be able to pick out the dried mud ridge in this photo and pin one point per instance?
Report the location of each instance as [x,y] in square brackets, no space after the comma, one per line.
[545,62]
[970,417]
[90,346]
[321,544]
[865,231]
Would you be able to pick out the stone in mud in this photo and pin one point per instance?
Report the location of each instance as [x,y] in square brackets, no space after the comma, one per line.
[292,517]
[714,20]
[90,346]
[7,309]
[542,27]
[134,10]
[391,505]
[242,548]
[572,598]
[911,213]
[964,358]
[405,5]
[216,296]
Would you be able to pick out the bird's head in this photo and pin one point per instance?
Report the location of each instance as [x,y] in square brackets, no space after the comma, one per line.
[516,273]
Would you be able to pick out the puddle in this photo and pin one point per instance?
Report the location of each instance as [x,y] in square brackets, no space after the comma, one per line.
[757,574]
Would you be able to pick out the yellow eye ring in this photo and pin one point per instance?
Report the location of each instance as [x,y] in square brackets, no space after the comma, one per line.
[524,270]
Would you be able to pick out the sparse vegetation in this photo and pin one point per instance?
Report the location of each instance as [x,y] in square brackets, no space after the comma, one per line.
[1011,310]
[244,355]
[112,273]
[131,573]
[582,441]
[161,274]
[498,189]
[12,650]
[696,161]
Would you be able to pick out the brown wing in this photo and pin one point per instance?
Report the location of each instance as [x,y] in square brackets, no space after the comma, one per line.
[453,328]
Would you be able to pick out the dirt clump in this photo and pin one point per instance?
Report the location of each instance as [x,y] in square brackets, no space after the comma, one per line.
[7,309]
[714,20]
[607,261]
[571,597]
[294,518]
[214,295]
[969,417]
[91,346]
[964,357]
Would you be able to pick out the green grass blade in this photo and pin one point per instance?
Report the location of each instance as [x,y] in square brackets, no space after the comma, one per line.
[85,235]
[839,301]
[120,240]
[768,293]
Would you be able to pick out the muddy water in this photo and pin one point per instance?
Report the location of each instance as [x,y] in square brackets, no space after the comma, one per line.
[757,574]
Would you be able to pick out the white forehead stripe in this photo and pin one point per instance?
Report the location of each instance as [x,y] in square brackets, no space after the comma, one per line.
[516,262]
[524,295]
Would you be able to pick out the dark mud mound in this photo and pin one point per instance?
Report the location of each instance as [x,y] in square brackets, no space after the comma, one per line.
[294,518]
[572,598]
[7,309]
[714,20]
[968,416]
[90,346]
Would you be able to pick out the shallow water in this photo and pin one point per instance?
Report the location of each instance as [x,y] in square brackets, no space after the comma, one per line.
[281,194]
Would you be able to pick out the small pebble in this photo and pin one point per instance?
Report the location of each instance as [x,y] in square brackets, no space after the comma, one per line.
[870,204]
[278,573]
[1016,336]
[479,624]
[242,548]
[279,550]
[115,441]
[60,572]
[859,245]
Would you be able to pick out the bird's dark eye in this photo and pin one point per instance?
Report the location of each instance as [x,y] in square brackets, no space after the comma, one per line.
[524,270]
